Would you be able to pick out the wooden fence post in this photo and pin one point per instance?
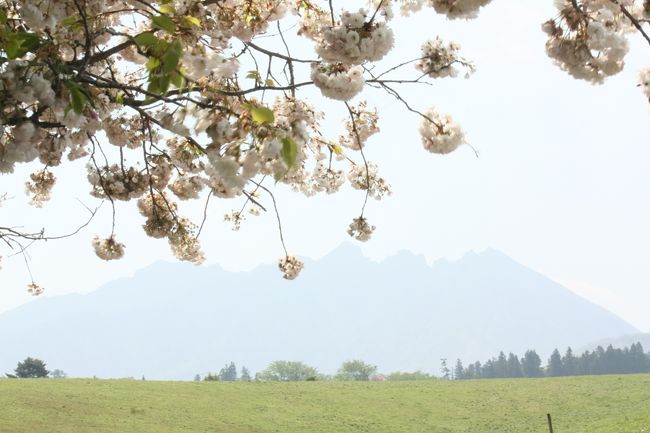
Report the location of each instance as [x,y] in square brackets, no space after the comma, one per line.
[550,423]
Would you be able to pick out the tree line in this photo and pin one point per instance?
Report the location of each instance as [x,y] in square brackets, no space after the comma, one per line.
[295,371]
[628,360]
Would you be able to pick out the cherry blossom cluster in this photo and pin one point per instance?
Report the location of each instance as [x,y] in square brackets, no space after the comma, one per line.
[439,60]
[364,126]
[356,40]
[368,180]
[290,266]
[440,134]
[338,80]
[589,39]
[236,218]
[360,229]
[453,9]
[40,186]
[108,249]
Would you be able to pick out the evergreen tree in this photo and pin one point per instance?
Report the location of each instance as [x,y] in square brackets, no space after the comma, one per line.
[531,364]
[639,360]
[31,368]
[245,374]
[446,373]
[555,367]
[228,373]
[514,366]
[470,372]
[488,371]
[569,363]
[478,368]
[501,366]
[459,371]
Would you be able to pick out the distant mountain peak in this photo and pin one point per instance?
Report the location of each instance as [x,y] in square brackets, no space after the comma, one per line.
[345,249]
[174,320]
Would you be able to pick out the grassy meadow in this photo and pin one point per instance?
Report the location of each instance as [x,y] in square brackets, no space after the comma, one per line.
[605,404]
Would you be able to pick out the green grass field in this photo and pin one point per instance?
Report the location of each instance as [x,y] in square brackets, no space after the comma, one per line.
[607,404]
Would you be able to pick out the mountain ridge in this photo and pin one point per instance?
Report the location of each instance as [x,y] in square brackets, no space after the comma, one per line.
[173,320]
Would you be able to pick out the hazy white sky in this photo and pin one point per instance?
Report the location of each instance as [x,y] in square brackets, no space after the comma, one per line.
[561,184]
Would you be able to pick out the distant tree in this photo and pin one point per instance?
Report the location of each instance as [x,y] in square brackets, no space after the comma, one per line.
[444,369]
[31,368]
[355,370]
[228,373]
[639,361]
[569,363]
[245,374]
[470,372]
[211,377]
[531,364]
[459,370]
[555,367]
[197,378]
[58,374]
[513,366]
[478,369]
[287,371]
[415,375]
[501,366]
[488,371]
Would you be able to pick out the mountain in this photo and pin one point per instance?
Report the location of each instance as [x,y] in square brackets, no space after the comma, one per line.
[620,342]
[173,320]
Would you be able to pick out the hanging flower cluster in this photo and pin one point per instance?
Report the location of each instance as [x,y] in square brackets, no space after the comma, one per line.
[356,40]
[439,60]
[108,249]
[360,229]
[338,81]
[40,187]
[440,134]
[290,267]
[589,41]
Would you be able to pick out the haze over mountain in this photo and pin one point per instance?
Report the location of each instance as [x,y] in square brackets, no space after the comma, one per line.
[173,320]
[621,342]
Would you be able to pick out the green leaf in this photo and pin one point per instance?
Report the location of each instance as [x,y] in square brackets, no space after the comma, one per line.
[177,80]
[152,63]
[278,176]
[78,97]
[3,16]
[167,9]
[269,82]
[20,43]
[70,21]
[191,21]
[289,151]
[146,39]
[165,23]
[262,115]
[172,56]
[253,75]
